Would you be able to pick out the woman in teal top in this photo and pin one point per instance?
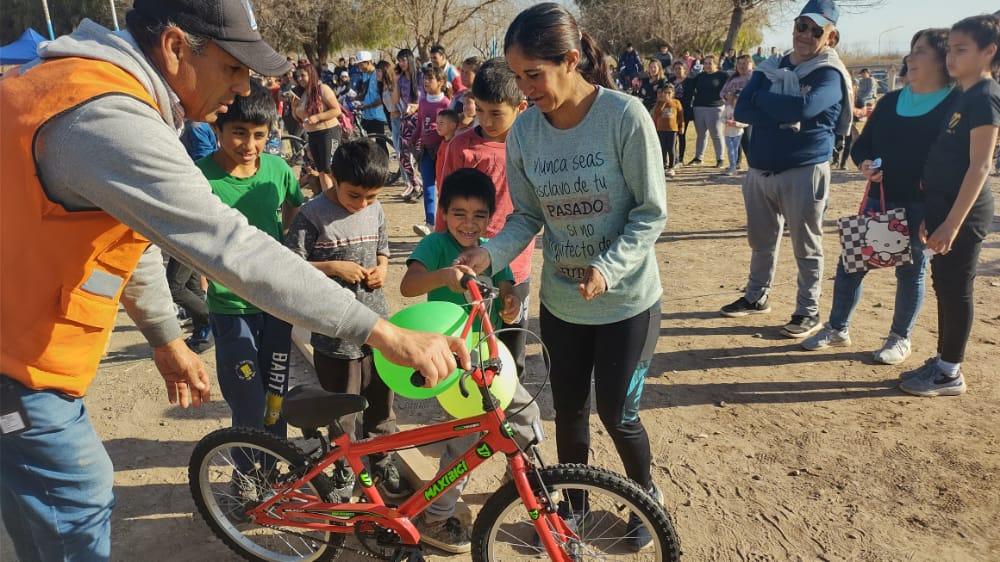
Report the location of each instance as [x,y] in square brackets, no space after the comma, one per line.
[584,164]
[899,132]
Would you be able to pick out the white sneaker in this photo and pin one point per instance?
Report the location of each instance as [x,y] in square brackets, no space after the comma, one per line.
[895,350]
[827,337]
[421,230]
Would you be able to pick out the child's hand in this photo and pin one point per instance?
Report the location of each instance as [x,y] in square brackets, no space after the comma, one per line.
[376,277]
[453,277]
[871,174]
[511,312]
[593,284]
[347,271]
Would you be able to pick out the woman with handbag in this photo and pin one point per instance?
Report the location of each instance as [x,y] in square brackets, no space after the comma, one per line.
[900,133]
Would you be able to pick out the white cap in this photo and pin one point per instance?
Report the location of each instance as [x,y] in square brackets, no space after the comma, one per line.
[363,56]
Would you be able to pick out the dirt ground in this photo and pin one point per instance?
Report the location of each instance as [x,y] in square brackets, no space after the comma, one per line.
[764,452]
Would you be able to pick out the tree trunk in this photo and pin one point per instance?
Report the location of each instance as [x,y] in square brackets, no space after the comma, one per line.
[735,23]
[324,37]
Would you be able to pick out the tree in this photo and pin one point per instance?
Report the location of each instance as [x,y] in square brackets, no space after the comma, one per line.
[741,8]
[17,15]
[318,28]
[433,22]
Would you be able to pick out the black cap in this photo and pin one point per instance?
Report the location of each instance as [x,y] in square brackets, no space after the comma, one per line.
[231,24]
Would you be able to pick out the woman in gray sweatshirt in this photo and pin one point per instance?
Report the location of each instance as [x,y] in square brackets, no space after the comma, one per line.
[584,163]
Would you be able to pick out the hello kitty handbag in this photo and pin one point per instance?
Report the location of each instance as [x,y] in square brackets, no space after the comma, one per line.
[871,240]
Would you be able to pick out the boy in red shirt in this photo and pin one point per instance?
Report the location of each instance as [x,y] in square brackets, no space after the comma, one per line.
[448,121]
[498,103]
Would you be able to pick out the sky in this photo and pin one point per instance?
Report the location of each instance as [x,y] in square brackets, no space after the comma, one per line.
[860,31]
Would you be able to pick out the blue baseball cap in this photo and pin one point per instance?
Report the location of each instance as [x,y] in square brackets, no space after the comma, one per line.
[822,12]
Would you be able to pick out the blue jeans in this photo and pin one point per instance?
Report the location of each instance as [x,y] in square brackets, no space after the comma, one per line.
[428,173]
[56,481]
[910,284]
[733,150]
[251,357]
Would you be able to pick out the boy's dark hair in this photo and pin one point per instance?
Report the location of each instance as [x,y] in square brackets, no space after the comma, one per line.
[450,115]
[668,88]
[362,163]
[257,108]
[471,184]
[984,30]
[863,70]
[434,72]
[438,49]
[495,83]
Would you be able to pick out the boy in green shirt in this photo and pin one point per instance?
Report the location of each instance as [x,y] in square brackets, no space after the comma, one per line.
[251,346]
[468,200]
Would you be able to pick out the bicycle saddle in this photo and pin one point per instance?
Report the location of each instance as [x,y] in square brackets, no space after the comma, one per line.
[309,406]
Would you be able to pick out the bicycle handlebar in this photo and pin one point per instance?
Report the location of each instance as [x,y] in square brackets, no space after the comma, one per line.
[474,288]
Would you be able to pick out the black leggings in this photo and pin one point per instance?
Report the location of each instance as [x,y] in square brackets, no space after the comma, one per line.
[954,275]
[667,139]
[321,147]
[185,289]
[617,356]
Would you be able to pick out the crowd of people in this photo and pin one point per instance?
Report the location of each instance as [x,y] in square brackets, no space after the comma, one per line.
[547,141]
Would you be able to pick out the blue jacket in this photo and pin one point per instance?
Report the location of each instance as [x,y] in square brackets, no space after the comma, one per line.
[776,149]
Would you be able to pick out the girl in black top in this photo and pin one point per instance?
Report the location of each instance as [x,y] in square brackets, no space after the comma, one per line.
[959,209]
[900,132]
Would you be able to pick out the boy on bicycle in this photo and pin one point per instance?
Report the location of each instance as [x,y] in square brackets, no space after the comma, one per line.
[468,200]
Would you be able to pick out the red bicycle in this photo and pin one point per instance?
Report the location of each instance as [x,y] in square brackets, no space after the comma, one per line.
[270,501]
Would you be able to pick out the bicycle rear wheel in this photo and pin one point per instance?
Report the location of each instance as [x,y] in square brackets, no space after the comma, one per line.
[233,469]
[596,503]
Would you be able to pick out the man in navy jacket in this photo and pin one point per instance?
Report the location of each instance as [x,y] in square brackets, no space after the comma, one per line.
[794,106]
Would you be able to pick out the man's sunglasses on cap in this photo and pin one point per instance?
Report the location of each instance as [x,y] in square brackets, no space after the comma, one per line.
[802,26]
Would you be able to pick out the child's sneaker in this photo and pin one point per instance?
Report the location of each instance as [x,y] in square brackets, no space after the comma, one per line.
[720,164]
[201,340]
[671,173]
[919,371]
[422,230]
[828,336]
[390,483]
[448,534]
[801,326]
[894,351]
[695,162]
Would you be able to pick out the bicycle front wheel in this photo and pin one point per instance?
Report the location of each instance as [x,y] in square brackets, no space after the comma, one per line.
[595,504]
[233,469]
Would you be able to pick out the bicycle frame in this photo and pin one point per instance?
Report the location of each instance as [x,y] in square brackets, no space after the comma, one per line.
[313,514]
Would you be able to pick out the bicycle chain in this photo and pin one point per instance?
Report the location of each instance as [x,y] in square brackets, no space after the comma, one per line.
[366,553]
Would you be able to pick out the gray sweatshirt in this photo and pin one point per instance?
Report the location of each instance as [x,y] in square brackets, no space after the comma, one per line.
[120,155]
[598,189]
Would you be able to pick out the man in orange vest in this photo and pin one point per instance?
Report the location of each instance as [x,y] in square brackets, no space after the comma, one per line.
[93,171]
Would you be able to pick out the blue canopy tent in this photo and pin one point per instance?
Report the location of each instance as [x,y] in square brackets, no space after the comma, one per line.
[23,50]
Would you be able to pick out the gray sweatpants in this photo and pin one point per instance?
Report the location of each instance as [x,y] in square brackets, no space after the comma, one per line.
[708,120]
[798,195]
[527,425]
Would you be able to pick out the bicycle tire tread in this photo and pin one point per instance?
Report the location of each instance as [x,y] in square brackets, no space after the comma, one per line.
[582,474]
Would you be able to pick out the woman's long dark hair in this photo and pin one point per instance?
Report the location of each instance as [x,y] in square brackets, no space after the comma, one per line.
[388,76]
[314,91]
[411,71]
[548,31]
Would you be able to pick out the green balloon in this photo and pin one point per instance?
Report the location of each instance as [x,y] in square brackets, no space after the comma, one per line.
[437,317]
[502,389]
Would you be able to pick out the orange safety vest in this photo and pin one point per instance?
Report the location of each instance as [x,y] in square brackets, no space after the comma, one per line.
[61,272]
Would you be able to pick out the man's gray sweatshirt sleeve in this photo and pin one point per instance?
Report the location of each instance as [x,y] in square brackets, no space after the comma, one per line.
[116,153]
[147,300]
